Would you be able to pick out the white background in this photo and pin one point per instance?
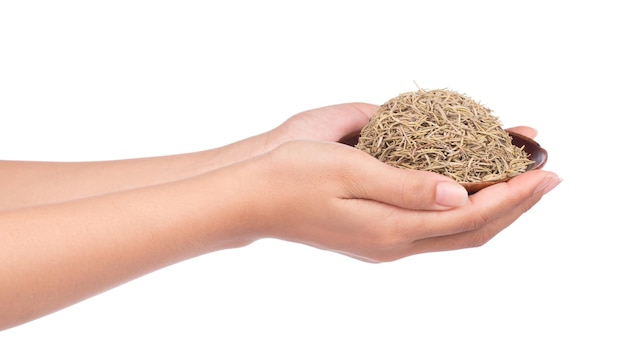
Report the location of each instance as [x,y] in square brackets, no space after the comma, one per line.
[94,80]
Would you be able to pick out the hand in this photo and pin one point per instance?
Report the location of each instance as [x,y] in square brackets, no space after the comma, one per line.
[337,198]
[334,123]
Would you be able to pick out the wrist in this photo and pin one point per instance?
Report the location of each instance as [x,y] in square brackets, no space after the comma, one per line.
[238,151]
[235,199]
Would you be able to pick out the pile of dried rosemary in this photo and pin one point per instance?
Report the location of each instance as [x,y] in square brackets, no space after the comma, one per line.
[444,132]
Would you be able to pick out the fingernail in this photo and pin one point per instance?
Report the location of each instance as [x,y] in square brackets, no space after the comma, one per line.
[548,183]
[450,194]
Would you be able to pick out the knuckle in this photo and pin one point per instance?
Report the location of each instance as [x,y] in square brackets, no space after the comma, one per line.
[409,193]
[382,245]
[476,221]
[388,247]
[477,240]
[383,255]
[478,231]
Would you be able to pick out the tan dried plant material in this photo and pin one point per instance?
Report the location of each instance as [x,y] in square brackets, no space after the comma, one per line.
[444,132]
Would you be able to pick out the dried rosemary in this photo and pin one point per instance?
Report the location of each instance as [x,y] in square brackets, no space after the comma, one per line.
[444,132]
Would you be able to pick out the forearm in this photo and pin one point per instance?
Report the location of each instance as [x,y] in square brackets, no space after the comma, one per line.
[54,256]
[24,184]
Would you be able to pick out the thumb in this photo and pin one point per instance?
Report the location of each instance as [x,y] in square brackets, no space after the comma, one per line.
[408,189]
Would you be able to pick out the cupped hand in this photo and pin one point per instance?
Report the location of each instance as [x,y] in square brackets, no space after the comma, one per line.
[330,123]
[338,198]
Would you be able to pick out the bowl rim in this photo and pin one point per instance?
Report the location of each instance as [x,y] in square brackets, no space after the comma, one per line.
[538,154]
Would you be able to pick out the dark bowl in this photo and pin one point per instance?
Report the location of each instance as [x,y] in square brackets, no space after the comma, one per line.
[535,151]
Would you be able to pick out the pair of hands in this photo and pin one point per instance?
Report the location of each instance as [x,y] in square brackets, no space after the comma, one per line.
[77,229]
[316,191]
[297,183]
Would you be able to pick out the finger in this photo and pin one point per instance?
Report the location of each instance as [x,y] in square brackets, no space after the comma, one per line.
[395,248]
[404,188]
[353,116]
[481,209]
[489,215]
[361,113]
[524,130]
[474,238]
[339,121]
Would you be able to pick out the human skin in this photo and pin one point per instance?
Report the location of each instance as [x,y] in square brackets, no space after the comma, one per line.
[69,231]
